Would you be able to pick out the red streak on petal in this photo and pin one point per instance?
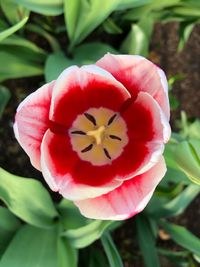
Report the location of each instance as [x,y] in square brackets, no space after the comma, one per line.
[58,128]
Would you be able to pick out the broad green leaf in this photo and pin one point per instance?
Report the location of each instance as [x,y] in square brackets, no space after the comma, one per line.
[70,215]
[86,235]
[83,55]
[147,242]
[174,207]
[55,64]
[44,7]
[169,153]
[183,237]
[4,98]
[32,247]
[190,11]
[83,16]
[13,29]
[13,12]
[132,3]
[8,226]
[67,255]
[187,157]
[27,199]
[111,251]
[137,41]
[17,67]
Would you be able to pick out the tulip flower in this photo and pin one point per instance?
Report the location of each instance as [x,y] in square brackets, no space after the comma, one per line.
[97,133]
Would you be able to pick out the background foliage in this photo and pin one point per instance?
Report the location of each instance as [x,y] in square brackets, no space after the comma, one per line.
[36,231]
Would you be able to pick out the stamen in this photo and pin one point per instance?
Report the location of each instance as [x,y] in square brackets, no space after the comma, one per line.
[78,132]
[90,118]
[88,148]
[106,153]
[115,137]
[112,119]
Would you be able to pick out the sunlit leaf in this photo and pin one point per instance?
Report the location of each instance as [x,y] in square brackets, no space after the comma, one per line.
[86,235]
[44,7]
[27,199]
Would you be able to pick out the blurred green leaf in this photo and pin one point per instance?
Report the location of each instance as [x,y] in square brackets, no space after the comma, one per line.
[170,149]
[97,258]
[8,226]
[55,64]
[147,242]
[4,34]
[71,217]
[174,207]
[137,41]
[27,199]
[177,258]
[111,251]
[176,177]
[4,98]
[184,33]
[111,27]
[31,247]
[187,157]
[183,237]
[44,7]
[125,4]
[17,67]
[86,235]
[190,11]
[67,255]
[83,16]
[13,12]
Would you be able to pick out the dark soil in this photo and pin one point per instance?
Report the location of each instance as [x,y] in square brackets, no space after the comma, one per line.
[187,91]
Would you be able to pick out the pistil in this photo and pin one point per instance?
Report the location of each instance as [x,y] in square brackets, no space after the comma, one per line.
[97,134]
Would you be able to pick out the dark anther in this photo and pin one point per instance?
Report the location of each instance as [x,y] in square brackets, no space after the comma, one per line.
[106,153]
[78,132]
[112,119]
[115,137]
[88,148]
[90,118]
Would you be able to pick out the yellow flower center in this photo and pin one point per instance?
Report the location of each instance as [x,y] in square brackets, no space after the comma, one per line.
[99,136]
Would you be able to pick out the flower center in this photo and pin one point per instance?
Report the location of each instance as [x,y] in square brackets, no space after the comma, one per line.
[99,136]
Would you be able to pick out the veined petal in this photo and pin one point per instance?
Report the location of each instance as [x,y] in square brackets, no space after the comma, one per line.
[32,121]
[78,89]
[127,200]
[138,74]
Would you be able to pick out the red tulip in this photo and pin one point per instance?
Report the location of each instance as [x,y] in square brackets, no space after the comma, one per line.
[97,133]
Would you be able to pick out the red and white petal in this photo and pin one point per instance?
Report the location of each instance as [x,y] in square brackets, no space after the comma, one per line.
[127,200]
[59,162]
[78,89]
[138,74]
[32,121]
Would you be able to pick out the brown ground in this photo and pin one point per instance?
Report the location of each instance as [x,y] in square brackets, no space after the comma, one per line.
[163,52]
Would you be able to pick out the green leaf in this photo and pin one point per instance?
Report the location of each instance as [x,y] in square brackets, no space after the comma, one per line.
[183,237]
[111,27]
[13,29]
[137,41]
[44,7]
[67,255]
[83,16]
[174,207]
[17,67]
[13,12]
[32,247]
[97,258]
[184,33]
[187,157]
[176,177]
[147,242]
[111,251]
[4,98]
[71,217]
[8,226]
[55,64]
[132,3]
[86,235]
[27,199]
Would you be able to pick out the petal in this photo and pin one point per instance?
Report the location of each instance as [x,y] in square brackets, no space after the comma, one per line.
[138,74]
[127,200]
[59,164]
[78,89]
[32,121]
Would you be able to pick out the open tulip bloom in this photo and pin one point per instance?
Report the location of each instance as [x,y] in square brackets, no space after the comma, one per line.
[97,133]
